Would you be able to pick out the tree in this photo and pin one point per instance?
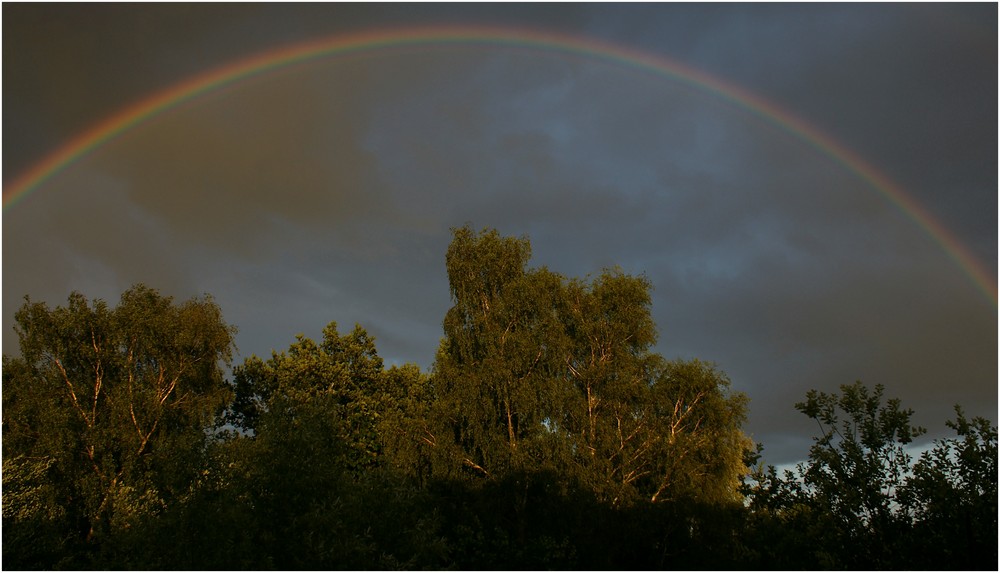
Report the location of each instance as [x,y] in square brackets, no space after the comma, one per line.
[493,371]
[111,406]
[952,497]
[701,447]
[610,370]
[337,379]
[317,422]
[405,427]
[645,428]
[537,372]
[859,460]
[845,496]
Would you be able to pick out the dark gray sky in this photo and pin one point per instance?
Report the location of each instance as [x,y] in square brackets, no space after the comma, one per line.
[326,191]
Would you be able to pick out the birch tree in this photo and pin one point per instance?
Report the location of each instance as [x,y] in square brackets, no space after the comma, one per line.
[114,402]
[539,372]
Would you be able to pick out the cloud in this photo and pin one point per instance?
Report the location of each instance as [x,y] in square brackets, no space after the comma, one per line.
[224,170]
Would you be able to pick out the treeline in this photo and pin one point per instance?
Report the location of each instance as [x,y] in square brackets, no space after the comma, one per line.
[547,435]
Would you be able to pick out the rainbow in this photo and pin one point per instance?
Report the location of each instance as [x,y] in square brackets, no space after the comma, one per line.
[128,118]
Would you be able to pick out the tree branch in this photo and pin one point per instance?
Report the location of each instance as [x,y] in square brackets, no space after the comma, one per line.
[98,376]
[476,466]
[72,394]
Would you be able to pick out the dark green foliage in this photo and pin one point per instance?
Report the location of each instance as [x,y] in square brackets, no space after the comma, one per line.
[547,436]
[859,502]
[35,524]
[538,521]
[857,465]
[952,497]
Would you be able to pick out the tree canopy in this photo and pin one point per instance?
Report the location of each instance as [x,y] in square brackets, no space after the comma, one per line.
[106,410]
[548,433]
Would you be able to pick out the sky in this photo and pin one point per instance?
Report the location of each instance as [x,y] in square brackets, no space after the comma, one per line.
[326,190]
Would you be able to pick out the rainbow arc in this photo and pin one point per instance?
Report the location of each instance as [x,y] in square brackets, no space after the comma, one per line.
[385,39]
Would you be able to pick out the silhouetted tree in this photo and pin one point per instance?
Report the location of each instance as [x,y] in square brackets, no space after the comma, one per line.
[952,496]
[860,502]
